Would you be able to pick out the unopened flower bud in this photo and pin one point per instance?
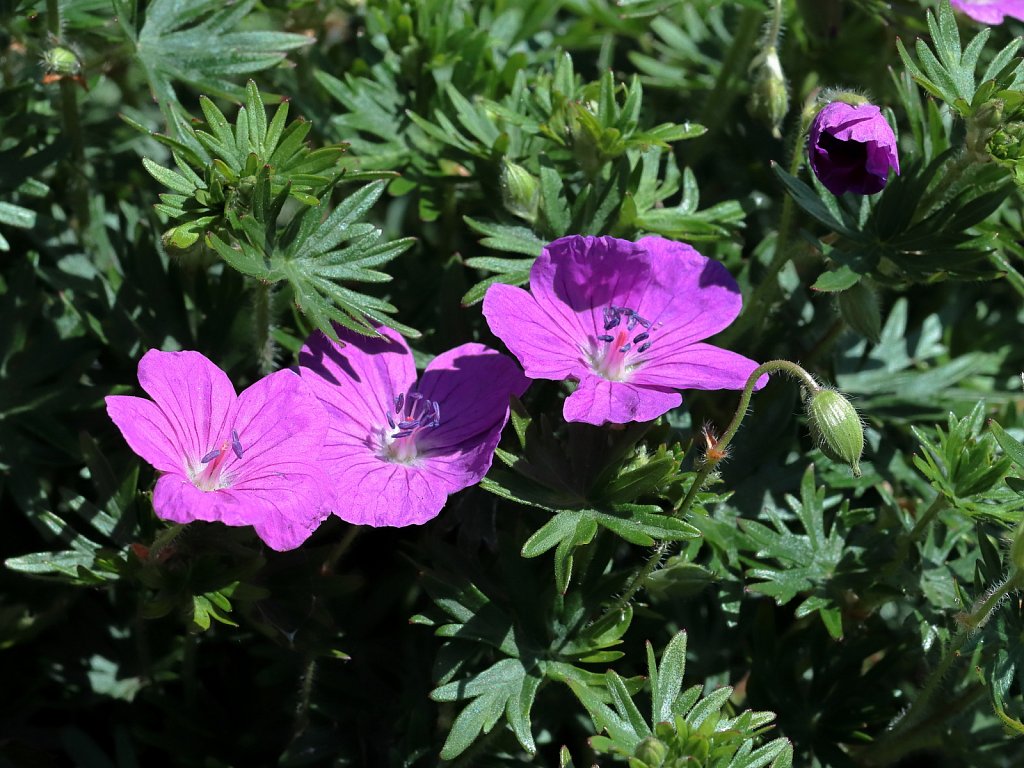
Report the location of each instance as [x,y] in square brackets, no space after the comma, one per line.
[651,752]
[520,191]
[982,125]
[851,147]
[836,426]
[769,95]
[61,61]
[858,306]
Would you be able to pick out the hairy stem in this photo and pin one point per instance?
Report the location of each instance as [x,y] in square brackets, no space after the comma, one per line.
[261,325]
[72,127]
[636,583]
[919,711]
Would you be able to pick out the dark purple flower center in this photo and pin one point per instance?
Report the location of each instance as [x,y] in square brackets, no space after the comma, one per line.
[851,154]
[626,337]
[210,475]
[413,414]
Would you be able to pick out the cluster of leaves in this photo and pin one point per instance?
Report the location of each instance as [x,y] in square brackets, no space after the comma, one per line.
[232,185]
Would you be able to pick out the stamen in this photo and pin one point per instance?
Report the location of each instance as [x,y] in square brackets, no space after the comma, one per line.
[236,444]
[398,403]
[644,323]
[210,456]
[644,347]
[606,337]
[611,318]
[437,414]
[641,337]
[408,424]
[633,320]
[391,421]
[625,348]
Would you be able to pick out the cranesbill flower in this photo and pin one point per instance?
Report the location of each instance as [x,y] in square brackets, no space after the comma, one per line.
[240,460]
[990,11]
[396,448]
[852,148]
[626,320]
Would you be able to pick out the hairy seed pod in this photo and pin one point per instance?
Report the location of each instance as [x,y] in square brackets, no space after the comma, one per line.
[836,426]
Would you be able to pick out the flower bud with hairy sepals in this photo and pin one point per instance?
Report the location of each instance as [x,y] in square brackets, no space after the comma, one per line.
[651,752]
[769,95]
[520,191]
[62,61]
[836,426]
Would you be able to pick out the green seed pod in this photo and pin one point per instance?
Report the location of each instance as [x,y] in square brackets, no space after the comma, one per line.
[858,306]
[769,95]
[61,61]
[651,752]
[520,192]
[836,426]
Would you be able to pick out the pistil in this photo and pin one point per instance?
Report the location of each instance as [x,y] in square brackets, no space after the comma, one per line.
[615,353]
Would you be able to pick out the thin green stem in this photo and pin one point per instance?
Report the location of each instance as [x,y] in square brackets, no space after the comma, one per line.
[261,325]
[980,612]
[1015,278]
[305,694]
[638,580]
[72,126]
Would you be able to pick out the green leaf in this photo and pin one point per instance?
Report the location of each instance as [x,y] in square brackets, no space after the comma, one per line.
[195,42]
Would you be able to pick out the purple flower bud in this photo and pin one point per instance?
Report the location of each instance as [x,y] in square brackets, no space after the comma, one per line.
[852,148]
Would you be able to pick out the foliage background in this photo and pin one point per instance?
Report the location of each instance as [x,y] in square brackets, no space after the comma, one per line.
[834,602]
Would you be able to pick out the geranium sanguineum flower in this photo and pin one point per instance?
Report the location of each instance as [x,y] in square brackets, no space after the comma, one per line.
[990,11]
[852,148]
[396,448]
[626,320]
[240,460]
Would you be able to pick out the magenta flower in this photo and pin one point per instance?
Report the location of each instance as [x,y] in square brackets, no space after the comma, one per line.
[852,149]
[990,11]
[623,319]
[240,460]
[396,448]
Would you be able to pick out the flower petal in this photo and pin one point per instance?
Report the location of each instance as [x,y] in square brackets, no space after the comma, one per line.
[472,384]
[283,509]
[195,396]
[697,366]
[597,401]
[147,431]
[548,347]
[357,382]
[380,493]
[990,11]
[689,296]
[279,421]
